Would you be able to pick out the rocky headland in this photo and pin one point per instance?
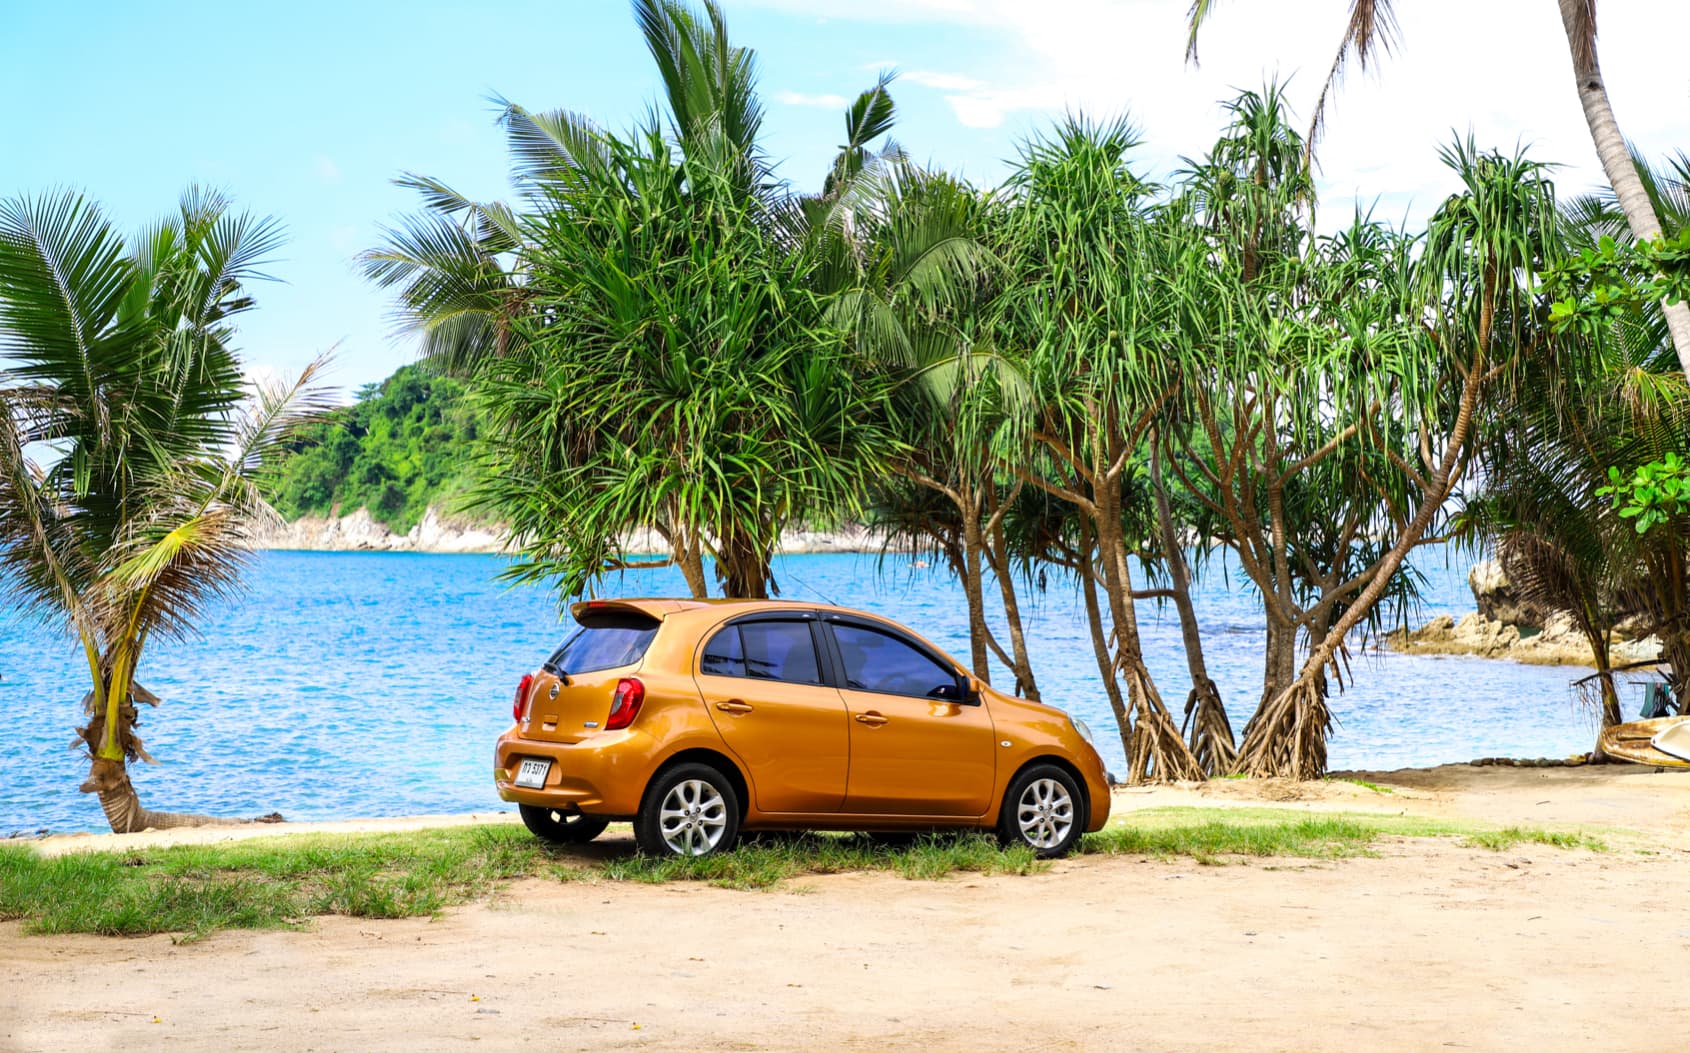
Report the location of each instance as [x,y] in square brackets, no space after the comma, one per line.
[1507,626]
[358,531]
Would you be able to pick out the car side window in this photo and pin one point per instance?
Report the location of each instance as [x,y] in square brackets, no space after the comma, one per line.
[723,655]
[880,662]
[763,650]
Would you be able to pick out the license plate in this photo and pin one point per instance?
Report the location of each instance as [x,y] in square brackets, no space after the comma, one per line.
[532,774]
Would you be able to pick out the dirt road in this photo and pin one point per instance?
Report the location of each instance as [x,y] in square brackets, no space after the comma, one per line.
[1431,945]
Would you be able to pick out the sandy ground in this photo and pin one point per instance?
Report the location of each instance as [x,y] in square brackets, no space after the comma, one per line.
[1430,945]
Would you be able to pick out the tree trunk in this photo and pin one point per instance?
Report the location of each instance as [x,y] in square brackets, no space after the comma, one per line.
[1156,750]
[109,777]
[974,588]
[1099,640]
[1205,714]
[1578,17]
[998,554]
[691,561]
[742,570]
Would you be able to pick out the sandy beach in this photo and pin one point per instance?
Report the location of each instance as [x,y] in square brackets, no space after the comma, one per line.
[1430,944]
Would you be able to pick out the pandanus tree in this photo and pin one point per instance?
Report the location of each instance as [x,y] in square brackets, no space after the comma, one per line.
[1476,318]
[918,305]
[646,326]
[130,443]
[1087,321]
[1300,338]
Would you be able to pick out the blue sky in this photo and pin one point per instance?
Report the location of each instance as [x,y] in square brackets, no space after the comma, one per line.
[307,111]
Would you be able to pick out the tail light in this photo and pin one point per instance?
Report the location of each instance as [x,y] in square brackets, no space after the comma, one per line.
[630,694]
[521,702]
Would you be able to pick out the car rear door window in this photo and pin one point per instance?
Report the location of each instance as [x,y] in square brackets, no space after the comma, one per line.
[880,662]
[723,655]
[764,650]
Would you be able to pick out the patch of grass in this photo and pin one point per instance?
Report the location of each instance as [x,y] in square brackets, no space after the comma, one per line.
[262,883]
[283,882]
[1513,836]
[1364,784]
[1206,841]
[765,863]
[1209,834]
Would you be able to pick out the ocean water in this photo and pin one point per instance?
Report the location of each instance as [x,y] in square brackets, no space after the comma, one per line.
[374,684]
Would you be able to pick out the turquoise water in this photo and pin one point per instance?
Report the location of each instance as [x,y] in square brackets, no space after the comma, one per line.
[363,684]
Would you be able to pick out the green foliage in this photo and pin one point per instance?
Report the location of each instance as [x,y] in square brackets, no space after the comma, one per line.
[1612,279]
[1654,493]
[407,443]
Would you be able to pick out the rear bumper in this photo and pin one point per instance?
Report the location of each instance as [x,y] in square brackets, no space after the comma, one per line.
[603,774]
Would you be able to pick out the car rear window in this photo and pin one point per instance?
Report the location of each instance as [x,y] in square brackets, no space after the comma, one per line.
[605,640]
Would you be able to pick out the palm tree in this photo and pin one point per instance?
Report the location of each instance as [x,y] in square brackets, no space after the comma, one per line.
[1085,316]
[1578,17]
[1477,319]
[646,326]
[917,302]
[1372,26]
[129,441]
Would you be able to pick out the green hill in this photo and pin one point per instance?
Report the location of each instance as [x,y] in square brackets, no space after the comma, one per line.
[404,445]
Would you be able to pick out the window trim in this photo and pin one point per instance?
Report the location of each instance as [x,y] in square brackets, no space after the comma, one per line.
[836,659]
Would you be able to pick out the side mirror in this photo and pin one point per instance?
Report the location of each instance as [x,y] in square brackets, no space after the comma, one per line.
[971,692]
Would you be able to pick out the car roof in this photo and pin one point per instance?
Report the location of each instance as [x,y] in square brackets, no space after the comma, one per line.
[662,607]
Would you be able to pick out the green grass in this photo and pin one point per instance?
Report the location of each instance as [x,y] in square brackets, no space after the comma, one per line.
[1514,836]
[1364,784]
[282,882]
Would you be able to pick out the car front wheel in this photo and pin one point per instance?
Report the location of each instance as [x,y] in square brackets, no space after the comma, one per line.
[689,810]
[1044,810]
[561,827]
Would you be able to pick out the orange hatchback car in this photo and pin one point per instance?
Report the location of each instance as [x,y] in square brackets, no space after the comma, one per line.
[700,719]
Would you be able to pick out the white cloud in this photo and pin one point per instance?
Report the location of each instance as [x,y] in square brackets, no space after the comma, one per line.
[794,98]
[1505,76]
[327,170]
[942,81]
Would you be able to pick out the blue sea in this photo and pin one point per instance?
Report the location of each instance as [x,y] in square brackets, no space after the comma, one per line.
[374,684]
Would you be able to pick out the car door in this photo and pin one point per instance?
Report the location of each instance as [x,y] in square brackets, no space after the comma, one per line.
[761,678]
[918,745]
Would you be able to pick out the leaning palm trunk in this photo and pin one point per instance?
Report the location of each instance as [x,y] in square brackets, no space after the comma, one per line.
[1579,19]
[108,776]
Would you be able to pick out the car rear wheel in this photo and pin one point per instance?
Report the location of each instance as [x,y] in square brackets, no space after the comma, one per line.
[561,827]
[689,810]
[1044,810]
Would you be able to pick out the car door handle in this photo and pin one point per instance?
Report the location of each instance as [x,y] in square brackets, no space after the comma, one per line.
[734,706]
[872,719]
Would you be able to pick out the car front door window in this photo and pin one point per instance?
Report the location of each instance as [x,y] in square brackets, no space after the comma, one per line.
[878,662]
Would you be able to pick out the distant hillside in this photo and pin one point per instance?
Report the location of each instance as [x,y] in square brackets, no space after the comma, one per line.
[404,445]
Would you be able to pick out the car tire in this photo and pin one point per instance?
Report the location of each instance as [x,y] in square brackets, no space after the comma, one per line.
[561,827]
[688,810]
[1044,809]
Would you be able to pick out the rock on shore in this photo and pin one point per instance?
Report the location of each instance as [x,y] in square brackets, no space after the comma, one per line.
[1506,626]
[360,532]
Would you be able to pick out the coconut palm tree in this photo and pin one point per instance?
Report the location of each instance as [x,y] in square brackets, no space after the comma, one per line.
[1372,28]
[130,442]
